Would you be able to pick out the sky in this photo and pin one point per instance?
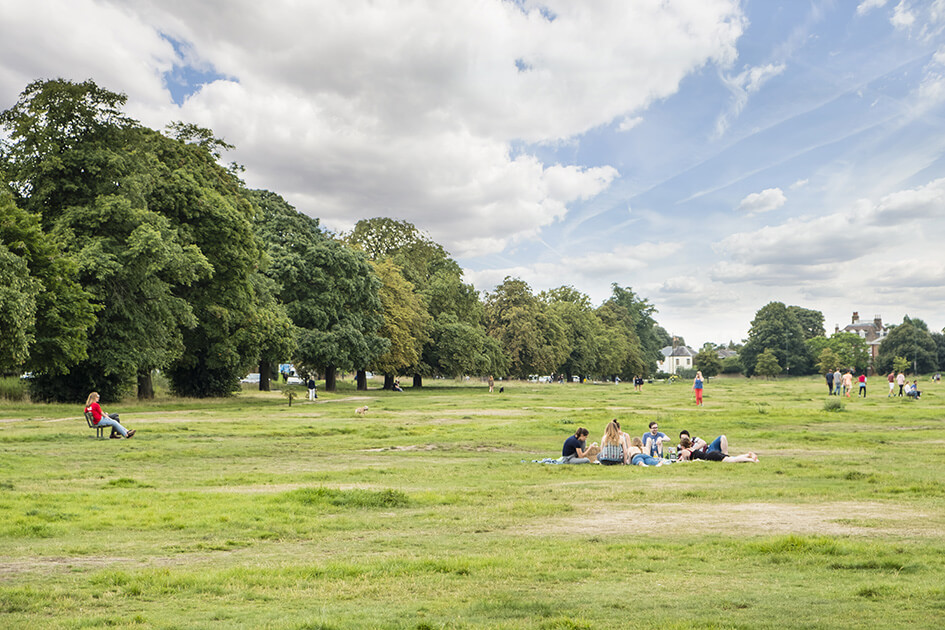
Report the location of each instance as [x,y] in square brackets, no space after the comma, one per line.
[714,155]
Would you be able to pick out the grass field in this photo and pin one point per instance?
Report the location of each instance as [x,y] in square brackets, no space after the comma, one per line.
[428,513]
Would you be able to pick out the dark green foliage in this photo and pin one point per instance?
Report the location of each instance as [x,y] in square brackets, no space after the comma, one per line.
[532,336]
[912,341]
[163,238]
[330,291]
[708,362]
[776,328]
[650,338]
[811,321]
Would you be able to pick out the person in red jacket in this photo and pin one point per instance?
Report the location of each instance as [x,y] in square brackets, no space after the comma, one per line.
[100,417]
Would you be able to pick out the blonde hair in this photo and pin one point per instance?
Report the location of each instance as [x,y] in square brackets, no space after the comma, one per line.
[88,401]
[611,434]
[636,442]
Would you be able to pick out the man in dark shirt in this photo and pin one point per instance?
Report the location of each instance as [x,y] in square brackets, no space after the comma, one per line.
[574,450]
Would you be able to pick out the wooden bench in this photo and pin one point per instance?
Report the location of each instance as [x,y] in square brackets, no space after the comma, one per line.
[99,428]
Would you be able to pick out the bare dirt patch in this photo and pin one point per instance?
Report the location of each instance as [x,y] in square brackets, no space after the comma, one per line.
[832,519]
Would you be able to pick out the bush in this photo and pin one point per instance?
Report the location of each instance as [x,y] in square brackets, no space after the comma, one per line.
[686,373]
[731,365]
[13,388]
[833,404]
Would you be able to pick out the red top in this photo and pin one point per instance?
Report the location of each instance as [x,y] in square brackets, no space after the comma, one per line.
[862,378]
[96,410]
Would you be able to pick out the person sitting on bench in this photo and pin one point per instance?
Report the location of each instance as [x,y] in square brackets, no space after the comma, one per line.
[99,417]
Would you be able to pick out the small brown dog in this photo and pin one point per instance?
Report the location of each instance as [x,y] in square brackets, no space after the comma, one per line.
[361,410]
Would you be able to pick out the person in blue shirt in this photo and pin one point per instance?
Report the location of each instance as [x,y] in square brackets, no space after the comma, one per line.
[697,385]
[653,440]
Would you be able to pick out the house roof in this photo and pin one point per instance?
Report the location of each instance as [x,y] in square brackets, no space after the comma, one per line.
[678,351]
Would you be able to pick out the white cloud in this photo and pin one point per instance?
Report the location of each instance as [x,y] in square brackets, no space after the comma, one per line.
[902,17]
[765,201]
[407,108]
[799,184]
[629,123]
[841,244]
[868,5]
[741,86]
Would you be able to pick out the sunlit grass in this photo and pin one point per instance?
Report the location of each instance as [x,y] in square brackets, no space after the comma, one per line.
[428,513]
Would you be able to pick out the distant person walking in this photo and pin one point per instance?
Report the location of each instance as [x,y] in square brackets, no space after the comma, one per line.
[697,385]
[892,382]
[310,384]
[847,383]
[862,381]
[638,383]
[491,384]
[900,381]
[829,377]
[836,382]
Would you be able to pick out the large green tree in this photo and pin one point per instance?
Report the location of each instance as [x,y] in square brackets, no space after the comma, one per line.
[911,340]
[17,310]
[531,335]
[584,332]
[640,311]
[851,350]
[63,312]
[776,328]
[330,291]
[453,306]
[811,321]
[405,322]
[87,171]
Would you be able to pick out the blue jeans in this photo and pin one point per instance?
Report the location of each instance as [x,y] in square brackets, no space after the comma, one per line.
[716,445]
[649,460]
[108,421]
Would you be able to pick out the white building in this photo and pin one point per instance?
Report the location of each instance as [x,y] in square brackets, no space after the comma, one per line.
[676,358]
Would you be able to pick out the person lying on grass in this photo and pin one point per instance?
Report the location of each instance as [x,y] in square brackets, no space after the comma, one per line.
[639,458]
[694,448]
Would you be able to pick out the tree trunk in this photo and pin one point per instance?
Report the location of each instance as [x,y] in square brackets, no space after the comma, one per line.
[265,368]
[330,378]
[145,385]
[388,381]
[418,380]
[361,379]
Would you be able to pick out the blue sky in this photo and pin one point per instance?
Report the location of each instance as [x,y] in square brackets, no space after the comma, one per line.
[712,154]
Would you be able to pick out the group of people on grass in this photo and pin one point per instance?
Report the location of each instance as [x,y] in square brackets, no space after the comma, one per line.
[617,447]
[841,384]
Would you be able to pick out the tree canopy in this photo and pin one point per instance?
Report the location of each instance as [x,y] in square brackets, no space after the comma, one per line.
[911,340]
[775,327]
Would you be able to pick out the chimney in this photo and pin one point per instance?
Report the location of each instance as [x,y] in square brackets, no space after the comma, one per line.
[878,322]
[856,317]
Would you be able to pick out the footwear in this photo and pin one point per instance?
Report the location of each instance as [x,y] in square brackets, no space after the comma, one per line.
[115,436]
[130,433]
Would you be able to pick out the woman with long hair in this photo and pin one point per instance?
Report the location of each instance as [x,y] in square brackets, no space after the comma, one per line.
[612,446]
[99,417]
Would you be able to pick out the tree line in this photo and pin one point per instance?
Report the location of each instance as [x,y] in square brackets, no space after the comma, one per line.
[125,250]
[792,340]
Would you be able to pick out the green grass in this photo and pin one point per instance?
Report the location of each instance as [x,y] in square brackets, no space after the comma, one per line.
[428,513]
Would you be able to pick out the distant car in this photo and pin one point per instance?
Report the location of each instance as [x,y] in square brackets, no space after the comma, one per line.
[544,379]
[250,378]
[294,380]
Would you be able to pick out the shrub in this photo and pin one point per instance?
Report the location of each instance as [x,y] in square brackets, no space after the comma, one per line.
[833,404]
[12,388]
